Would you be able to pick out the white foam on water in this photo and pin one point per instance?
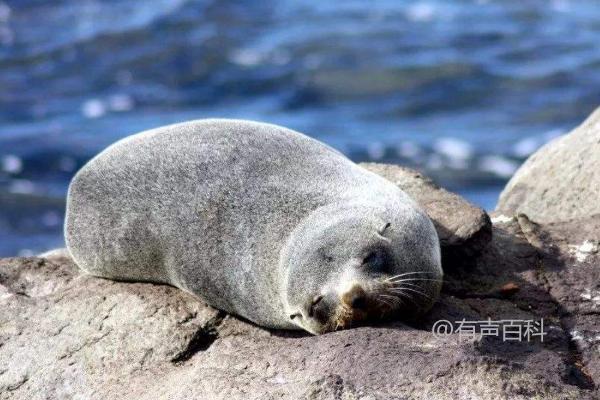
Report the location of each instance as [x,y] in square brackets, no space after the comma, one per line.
[421,12]
[93,108]
[453,148]
[560,5]
[120,102]
[457,163]
[552,134]
[498,166]
[12,164]
[5,12]
[26,253]
[21,186]
[246,57]
[526,147]
[409,150]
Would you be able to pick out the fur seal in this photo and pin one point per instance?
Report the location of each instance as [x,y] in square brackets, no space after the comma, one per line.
[257,220]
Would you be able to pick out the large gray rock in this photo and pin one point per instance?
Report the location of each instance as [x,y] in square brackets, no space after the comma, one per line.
[561,181]
[67,335]
[464,229]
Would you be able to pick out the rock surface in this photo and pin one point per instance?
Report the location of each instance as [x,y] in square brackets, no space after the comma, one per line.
[464,229]
[561,181]
[67,335]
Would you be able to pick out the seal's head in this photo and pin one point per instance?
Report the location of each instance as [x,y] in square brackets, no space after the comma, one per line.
[346,267]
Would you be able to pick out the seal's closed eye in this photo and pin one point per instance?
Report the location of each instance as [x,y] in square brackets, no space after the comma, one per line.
[372,258]
[375,261]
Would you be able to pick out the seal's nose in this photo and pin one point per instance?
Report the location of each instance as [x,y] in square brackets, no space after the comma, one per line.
[355,298]
[321,308]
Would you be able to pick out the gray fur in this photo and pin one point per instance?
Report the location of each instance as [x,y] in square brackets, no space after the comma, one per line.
[241,214]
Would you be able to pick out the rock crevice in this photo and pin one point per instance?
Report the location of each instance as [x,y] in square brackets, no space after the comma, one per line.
[204,337]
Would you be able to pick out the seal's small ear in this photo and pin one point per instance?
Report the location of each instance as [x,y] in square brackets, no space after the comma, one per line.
[382,230]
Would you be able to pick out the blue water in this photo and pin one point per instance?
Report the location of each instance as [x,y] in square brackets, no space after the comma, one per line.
[462,90]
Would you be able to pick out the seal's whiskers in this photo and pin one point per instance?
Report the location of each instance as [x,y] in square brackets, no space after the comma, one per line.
[387,303]
[414,285]
[401,290]
[394,299]
[408,281]
[391,278]
[407,296]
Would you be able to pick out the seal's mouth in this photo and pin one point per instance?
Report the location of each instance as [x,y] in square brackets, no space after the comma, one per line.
[379,300]
[348,317]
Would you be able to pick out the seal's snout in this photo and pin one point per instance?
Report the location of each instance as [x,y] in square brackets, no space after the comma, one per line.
[355,298]
[339,310]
